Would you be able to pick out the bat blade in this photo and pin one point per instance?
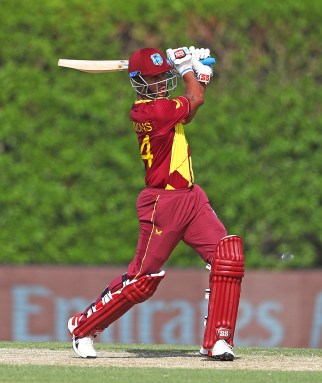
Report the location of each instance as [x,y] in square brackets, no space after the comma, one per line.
[104,66]
[92,66]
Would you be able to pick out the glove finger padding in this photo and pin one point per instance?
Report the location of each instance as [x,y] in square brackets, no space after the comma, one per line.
[199,53]
[180,59]
[192,50]
[204,53]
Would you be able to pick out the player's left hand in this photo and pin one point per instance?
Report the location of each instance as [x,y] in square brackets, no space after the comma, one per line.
[180,59]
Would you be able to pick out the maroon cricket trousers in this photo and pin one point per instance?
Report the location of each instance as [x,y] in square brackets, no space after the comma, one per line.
[168,216]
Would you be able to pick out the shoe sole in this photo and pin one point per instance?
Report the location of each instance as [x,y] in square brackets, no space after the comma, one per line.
[225,357]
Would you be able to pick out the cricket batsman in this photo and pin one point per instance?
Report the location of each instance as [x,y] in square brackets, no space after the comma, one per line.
[172,207]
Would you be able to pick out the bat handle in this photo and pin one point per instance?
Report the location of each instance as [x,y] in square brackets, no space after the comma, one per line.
[208,61]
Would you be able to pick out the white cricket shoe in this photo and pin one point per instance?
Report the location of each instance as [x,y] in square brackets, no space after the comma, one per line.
[221,351]
[84,346]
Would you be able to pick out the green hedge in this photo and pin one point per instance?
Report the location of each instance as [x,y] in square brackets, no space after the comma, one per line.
[70,167]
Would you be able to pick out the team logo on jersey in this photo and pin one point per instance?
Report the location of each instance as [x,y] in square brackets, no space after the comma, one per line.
[157,59]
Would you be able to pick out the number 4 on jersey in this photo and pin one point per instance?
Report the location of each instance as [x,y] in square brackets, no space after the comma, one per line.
[146,150]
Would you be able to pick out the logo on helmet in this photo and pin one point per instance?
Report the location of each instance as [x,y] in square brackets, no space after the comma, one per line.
[157,59]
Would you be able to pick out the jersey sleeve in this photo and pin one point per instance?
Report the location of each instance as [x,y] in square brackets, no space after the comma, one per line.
[171,112]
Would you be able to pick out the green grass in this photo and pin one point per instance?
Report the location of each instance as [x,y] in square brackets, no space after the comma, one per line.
[122,375]
[71,374]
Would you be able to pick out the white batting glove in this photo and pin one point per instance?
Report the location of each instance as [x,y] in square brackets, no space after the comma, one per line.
[180,59]
[203,72]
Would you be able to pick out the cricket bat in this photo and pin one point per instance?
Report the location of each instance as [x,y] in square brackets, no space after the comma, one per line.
[105,66]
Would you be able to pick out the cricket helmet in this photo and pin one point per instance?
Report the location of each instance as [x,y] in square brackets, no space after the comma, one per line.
[150,62]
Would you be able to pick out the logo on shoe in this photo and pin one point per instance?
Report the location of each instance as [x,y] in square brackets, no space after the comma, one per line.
[223,333]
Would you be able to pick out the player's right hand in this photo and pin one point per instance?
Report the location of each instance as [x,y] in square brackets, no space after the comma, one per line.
[180,59]
[203,72]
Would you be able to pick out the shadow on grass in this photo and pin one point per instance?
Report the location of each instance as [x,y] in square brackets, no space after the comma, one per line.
[152,353]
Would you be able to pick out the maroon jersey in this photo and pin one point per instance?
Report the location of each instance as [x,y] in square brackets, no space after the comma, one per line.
[162,142]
